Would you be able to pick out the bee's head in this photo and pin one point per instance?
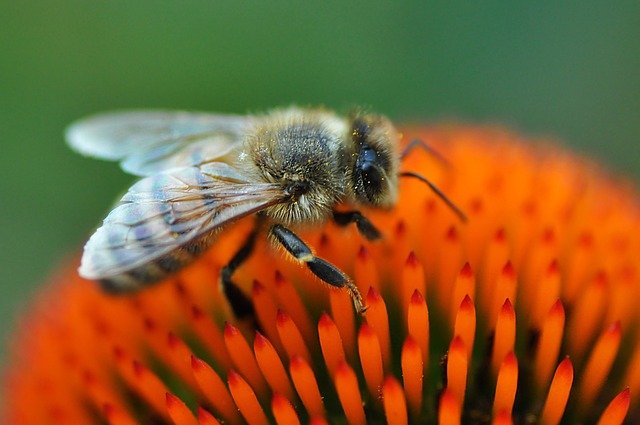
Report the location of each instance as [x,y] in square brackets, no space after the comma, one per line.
[375,166]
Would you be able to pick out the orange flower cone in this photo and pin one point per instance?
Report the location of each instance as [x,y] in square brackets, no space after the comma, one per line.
[524,314]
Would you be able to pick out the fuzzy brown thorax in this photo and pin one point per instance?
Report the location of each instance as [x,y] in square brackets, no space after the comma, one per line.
[306,154]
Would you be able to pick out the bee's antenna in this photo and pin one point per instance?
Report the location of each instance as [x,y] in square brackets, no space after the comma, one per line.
[437,191]
[418,143]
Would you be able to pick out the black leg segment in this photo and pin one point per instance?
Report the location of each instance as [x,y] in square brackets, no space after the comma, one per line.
[324,270]
[365,227]
[291,242]
[240,304]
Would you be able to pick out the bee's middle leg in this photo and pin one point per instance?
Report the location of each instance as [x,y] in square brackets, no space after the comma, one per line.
[364,226]
[240,304]
[324,270]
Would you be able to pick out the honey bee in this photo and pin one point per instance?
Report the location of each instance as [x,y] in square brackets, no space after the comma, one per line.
[202,171]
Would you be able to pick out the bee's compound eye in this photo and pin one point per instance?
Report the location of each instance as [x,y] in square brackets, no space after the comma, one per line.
[371,178]
[368,157]
[369,174]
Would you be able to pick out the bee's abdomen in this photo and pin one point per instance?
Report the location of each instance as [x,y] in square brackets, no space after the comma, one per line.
[156,270]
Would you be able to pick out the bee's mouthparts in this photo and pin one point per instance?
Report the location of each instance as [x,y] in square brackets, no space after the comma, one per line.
[297,188]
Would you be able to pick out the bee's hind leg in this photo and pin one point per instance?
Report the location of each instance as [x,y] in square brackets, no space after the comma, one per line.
[365,227]
[324,270]
[240,304]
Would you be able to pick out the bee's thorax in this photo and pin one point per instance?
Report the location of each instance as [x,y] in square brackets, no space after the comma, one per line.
[305,156]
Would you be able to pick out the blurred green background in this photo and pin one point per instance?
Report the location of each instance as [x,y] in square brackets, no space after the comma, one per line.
[570,70]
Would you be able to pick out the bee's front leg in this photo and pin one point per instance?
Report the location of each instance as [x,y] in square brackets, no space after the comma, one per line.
[365,227]
[324,270]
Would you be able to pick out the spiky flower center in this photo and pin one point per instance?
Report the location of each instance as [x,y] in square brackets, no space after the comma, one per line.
[525,313]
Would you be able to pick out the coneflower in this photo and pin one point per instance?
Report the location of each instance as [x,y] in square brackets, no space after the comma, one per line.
[524,314]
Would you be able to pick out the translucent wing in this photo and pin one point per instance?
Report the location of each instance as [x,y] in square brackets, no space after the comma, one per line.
[166,211]
[148,142]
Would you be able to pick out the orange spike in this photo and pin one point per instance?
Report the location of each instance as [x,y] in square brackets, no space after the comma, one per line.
[289,298]
[621,306]
[507,385]
[330,343]
[401,249]
[465,324]
[502,418]
[349,394]
[155,335]
[505,335]
[378,319]
[317,421]
[527,217]
[154,329]
[558,394]
[412,374]
[496,256]
[431,230]
[395,406]
[474,233]
[449,411]
[418,324]
[365,270]
[578,267]
[243,359]
[100,393]
[181,359]
[178,411]
[246,400]
[266,312]
[465,286]
[549,345]
[457,369]
[342,313]
[450,261]
[123,363]
[371,359]
[272,367]
[547,292]
[412,280]
[210,336]
[505,288]
[116,416]
[306,385]
[542,252]
[617,410]
[586,316]
[599,363]
[291,337]
[150,386]
[214,390]
[206,418]
[633,373]
[283,411]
